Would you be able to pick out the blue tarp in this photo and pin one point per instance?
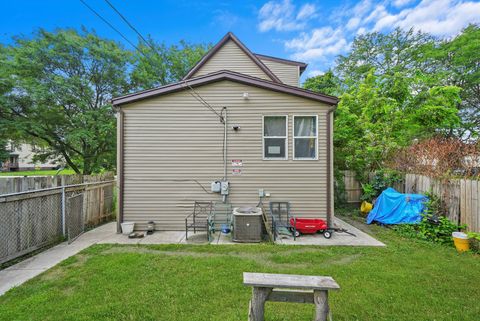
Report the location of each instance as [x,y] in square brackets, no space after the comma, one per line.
[393,207]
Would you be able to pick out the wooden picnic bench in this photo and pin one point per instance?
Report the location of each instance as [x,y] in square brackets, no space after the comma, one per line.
[288,288]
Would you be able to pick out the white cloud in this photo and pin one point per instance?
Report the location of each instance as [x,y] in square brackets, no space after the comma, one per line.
[307,11]
[353,23]
[283,16]
[318,45]
[325,39]
[317,38]
[361,31]
[362,8]
[378,13]
[437,17]
[401,3]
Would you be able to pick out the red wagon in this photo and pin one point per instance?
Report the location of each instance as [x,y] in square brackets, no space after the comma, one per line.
[310,226]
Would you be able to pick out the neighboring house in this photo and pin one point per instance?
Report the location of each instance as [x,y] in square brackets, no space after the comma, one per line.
[278,139]
[21,158]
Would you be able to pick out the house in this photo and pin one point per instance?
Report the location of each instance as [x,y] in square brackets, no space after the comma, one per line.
[237,117]
[21,158]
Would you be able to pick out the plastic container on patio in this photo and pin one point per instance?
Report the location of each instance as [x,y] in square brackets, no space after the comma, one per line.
[127,227]
[461,241]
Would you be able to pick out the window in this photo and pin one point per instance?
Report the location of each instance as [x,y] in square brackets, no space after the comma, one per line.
[305,136]
[275,137]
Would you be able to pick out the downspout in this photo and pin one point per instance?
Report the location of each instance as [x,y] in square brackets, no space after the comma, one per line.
[330,188]
[225,149]
[120,158]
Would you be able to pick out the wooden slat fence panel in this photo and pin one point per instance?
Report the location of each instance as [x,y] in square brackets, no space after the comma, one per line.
[33,219]
[461,197]
[30,183]
[353,189]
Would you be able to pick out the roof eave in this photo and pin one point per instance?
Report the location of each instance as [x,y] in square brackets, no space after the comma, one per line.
[224,75]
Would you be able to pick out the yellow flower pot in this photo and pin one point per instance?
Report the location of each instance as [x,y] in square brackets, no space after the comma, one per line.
[461,241]
[366,207]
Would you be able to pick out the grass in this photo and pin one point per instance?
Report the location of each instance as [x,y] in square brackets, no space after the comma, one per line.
[407,280]
[39,173]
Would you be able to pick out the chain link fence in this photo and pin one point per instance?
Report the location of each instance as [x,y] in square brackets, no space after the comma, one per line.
[35,219]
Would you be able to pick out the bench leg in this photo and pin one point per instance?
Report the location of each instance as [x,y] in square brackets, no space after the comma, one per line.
[257,303]
[321,305]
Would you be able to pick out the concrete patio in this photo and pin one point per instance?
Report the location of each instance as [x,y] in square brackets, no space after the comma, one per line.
[178,237]
[33,266]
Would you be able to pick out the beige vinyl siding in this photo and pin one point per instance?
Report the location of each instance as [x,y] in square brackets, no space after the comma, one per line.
[170,140]
[287,73]
[231,57]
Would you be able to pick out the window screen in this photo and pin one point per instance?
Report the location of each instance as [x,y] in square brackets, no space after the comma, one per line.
[275,137]
[305,136]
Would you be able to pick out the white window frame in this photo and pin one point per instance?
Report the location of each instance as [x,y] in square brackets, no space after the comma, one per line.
[316,138]
[286,138]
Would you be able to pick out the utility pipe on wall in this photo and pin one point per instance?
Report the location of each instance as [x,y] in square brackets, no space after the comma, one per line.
[225,149]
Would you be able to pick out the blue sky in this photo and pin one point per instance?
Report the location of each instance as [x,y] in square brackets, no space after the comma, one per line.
[311,31]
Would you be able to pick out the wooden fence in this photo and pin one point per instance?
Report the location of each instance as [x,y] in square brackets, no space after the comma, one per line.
[353,189]
[30,183]
[461,196]
[34,219]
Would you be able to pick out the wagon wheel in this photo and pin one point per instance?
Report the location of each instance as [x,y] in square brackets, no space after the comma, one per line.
[327,234]
[297,233]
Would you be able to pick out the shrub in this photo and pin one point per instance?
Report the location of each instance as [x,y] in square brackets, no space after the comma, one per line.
[380,181]
[434,226]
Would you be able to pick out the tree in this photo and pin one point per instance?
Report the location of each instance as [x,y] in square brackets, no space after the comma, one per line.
[327,83]
[61,83]
[158,65]
[380,116]
[5,86]
[396,52]
[457,62]
[55,90]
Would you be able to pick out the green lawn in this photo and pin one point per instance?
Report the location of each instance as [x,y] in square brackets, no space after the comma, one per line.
[407,280]
[38,173]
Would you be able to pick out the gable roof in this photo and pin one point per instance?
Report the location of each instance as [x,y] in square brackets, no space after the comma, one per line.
[220,44]
[225,75]
[302,65]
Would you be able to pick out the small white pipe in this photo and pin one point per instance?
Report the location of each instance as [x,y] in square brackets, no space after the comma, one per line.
[225,145]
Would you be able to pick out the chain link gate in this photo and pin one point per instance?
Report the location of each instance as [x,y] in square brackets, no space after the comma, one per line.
[32,220]
[74,216]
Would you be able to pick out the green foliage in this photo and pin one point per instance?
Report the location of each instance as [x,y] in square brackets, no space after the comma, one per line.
[3,150]
[474,235]
[56,87]
[159,65]
[398,52]
[368,192]
[381,179]
[61,86]
[474,241]
[399,87]
[384,178]
[455,62]
[382,114]
[339,192]
[327,83]
[434,227]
